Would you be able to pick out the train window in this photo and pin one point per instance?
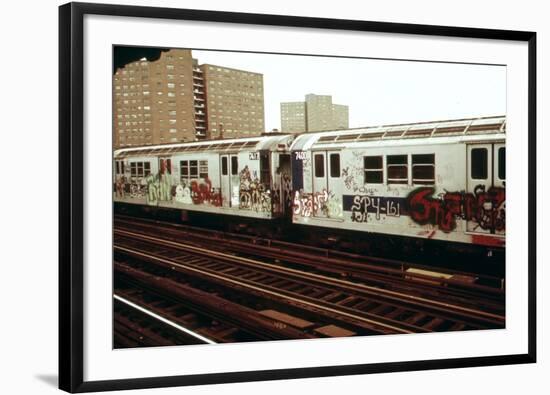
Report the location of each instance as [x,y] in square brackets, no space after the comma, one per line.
[166,166]
[335,165]
[234,166]
[502,163]
[188,170]
[374,170]
[319,165]
[133,169]
[224,165]
[397,169]
[140,169]
[193,169]
[423,169]
[203,168]
[184,170]
[479,163]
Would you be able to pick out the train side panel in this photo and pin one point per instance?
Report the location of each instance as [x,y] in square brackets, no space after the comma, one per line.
[132,177]
[245,183]
[402,196]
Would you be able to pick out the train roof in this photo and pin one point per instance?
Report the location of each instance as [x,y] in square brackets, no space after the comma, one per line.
[271,143]
[466,128]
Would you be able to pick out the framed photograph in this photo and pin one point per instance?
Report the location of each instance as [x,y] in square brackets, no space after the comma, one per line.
[249,197]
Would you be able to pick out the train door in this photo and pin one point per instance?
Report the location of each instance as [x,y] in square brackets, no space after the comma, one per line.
[229,180]
[499,169]
[333,205]
[164,180]
[285,192]
[225,182]
[499,182]
[320,183]
[234,180]
[326,184]
[485,199]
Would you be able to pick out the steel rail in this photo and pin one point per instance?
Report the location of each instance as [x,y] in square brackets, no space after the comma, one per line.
[394,295]
[164,320]
[371,268]
[263,290]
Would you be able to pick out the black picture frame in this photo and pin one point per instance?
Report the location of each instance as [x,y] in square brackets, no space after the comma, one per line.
[71,194]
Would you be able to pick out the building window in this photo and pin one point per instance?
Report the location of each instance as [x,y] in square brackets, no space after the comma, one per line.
[478,162]
[374,169]
[397,168]
[423,169]
[319,165]
[335,165]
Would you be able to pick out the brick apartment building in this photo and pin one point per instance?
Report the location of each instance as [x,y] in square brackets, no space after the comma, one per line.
[174,99]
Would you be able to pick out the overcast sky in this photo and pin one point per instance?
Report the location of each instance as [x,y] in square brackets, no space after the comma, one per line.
[376,91]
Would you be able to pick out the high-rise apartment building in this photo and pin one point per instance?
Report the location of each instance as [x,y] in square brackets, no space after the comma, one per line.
[234,101]
[316,113]
[340,116]
[293,117]
[174,99]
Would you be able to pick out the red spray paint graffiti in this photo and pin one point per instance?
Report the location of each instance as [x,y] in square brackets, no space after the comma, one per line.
[486,208]
[204,193]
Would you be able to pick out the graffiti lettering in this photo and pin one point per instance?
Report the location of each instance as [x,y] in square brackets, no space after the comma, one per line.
[253,195]
[137,190]
[120,186]
[363,205]
[317,204]
[183,194]
[287,191]
[203,193]
[152,189]
[485,208]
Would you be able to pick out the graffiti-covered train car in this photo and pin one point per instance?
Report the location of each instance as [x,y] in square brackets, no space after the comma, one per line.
[439,180]
[246,177]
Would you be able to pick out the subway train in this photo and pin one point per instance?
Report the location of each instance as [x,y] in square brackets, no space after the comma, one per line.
[438,181]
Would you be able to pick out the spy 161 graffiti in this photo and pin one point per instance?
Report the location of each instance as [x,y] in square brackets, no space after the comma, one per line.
[363,205]
[484,207]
